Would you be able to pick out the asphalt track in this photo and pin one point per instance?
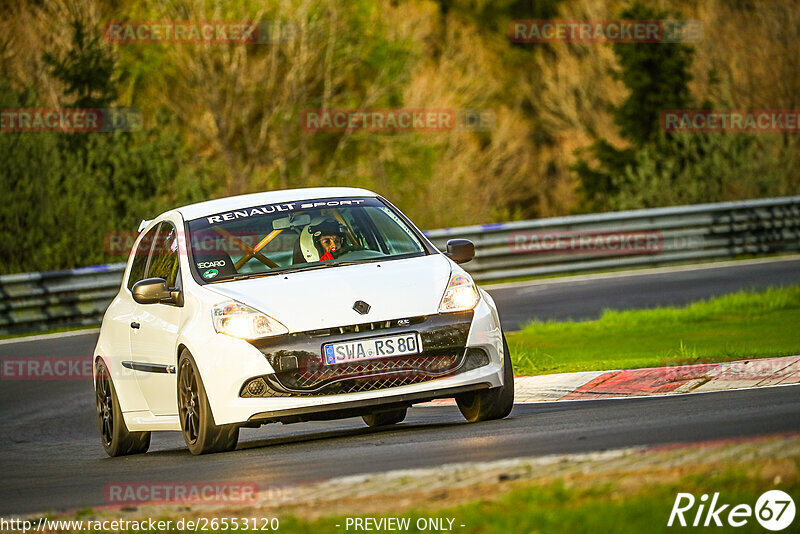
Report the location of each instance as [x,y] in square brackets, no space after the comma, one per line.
[583,298]
[51,457]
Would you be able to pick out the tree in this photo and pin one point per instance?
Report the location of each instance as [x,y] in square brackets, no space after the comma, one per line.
[87,69]
[656,76]
[66,193]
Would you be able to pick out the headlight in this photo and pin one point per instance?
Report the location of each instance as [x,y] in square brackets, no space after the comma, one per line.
[460,295]
[237,320]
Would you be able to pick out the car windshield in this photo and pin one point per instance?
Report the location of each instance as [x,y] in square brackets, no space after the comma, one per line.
[277,238]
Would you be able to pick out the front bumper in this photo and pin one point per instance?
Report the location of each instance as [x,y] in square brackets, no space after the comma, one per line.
[360,407]
[300,369]
[298,387]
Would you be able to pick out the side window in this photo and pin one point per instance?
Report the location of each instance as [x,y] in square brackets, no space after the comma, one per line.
[140,257]
[397,236]
[164,257]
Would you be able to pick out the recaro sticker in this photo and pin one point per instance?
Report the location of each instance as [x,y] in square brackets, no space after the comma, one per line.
[206,264]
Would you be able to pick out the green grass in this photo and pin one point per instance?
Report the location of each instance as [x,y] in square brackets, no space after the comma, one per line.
[736,326]
[622,503]
[606,507]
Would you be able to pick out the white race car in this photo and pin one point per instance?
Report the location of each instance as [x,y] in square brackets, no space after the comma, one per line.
[287,306]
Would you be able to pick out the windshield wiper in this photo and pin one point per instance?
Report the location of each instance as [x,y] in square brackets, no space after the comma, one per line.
[246,276]
[288,270]
[329,264]
[311,267]
[237,277]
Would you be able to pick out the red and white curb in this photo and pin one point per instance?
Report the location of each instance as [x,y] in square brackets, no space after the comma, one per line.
[701,378]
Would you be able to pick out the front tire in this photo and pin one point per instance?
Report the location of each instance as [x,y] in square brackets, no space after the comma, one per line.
[201,434]
[117,439]
[490,404]
[385,418]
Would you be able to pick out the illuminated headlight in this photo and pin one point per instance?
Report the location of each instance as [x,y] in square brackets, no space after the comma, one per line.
[237,320]
[460,295]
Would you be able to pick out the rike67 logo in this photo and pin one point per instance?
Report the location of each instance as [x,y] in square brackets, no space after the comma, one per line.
[774,510]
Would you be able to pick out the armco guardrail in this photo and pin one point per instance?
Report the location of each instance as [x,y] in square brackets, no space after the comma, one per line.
[55,299]
[581,243]
[650,237]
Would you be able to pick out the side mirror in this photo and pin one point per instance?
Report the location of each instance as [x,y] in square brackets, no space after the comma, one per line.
[460,250]
[155,291]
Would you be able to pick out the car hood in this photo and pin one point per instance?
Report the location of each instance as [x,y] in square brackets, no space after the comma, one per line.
[324,298]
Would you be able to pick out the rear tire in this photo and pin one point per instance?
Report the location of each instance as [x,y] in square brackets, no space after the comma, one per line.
[200,433]
[489,404]
[385,418]
[117,439]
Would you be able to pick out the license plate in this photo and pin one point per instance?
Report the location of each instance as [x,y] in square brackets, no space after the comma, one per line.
[370,349]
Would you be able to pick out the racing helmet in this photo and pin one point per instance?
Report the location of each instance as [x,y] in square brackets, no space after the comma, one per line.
[310,246]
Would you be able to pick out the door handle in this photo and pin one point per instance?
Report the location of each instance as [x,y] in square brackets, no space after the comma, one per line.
[135,325]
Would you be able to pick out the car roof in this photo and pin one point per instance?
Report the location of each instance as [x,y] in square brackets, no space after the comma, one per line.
[210,207]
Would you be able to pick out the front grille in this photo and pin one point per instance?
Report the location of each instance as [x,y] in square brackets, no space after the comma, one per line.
[297,358]
[366,327]
[364,375]
[415,366]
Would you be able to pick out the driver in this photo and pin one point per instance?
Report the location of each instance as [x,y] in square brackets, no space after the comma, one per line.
[329,237]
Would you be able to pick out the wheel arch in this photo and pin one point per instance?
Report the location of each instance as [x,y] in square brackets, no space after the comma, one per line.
[97,358]
[181,347]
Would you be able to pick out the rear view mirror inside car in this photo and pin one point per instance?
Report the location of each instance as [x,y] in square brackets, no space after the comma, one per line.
[290,221]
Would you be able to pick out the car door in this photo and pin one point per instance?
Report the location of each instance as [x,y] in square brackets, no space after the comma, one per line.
[122,313]
[154,330]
